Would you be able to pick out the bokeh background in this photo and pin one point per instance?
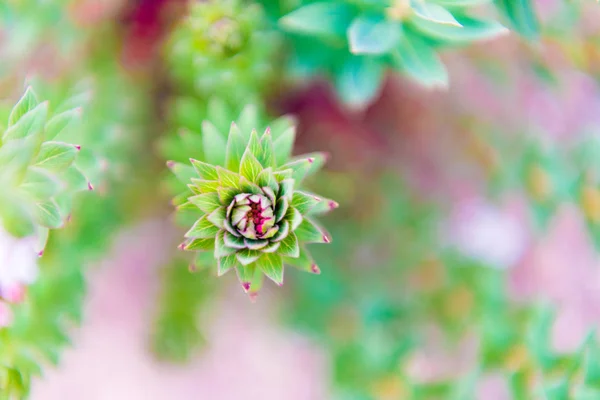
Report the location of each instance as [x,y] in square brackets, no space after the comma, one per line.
[464,263]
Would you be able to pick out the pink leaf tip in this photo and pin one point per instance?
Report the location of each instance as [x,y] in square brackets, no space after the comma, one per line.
[78,147]
[181,246]
[268,130]
[90,186]
[315,269]
[310,160]
[170,164]
[40,253]
[246,286]
[326,239]
[333,204]
[192,268]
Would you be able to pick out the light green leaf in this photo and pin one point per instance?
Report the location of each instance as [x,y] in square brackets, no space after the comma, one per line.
[203,186]
[284,229]
[254,144]
[214,144]
[226,195]
[249,166]
[299,169]
[267,154]
[372,35]
[235,242]
[309,232]
[247,256]
[221,249]
[304,202]
[40,184]
[248,120]
[236,145]
[204,170]
[75,180]
[203,228]
[282,125]
[47,214]
[207,202]
[319,19]
[522,16]
[60,122]
[226,263]
[56,156]
[281,208]
[294,217]
[267,179]
[246,275]
[201,244]
[289,246]
[217,217]
[282,146]
[25,104]
[184,173]
[303,262]
[323,207]
[228,178]
[420,62]
[272,266]
[359,80]
[286,189]
[16,218]
[30,124]
[472,29]
[434,13]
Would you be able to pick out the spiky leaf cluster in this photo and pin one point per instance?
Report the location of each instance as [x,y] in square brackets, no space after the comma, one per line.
[222,48]
[252,216]
[38,171]
[356,41]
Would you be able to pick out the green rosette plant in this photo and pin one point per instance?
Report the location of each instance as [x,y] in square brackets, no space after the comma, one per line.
[355,41]
[252,215]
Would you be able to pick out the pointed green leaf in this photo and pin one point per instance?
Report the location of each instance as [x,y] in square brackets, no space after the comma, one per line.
[217,217]
[266,178]
[75,180]
[294,217]
[15,216]
[248,187]
[272,266]
[245,275]
[289,246]
[303,262]
[255,244]
[226,263]
[204,170]
[236,145]
[281,208]
[420,61]
[309,232]
[286,189]
[326,19]
[56,156]
[226,195]
[235,242]
[267,153]
[184,173]
[25,104]
[200,244]
[47,214]
[284,230]
[316,160]
[281,125]
[434,13]
[299,169]
[248,120]
[254,144]
[221,249]
[214,144]
[203,186]
[247,256]
[203,228]
[60,122]
[249,166]
[207,202]
[271,247]
[40,184]
[323,207]
[228,178]
[30,124]
[372,35]
[283,174]
[522,16]
[304,202]
[472,29]
[283,145]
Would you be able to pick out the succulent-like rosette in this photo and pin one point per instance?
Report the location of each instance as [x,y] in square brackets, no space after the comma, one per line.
[252,217]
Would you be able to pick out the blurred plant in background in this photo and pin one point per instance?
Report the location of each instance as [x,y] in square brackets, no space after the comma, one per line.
[450,160]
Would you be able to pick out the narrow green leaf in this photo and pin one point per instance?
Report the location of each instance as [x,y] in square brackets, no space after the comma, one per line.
[255,244]
[359,80]
[217,217]
[420,62]
[299,169]
[47,214]
[289,246]
[203,228]
[249,166]
[286,189]
[271,247]
[267,153]
[56,156]
[236,145]
[75,179]
[221,249]
[272,266]
[372,35]
[304,202]
[184,173]
[207,202]
[323,207]
[214,144]
[294,217]
[226,195]
[248,120]
[204,170]
[200,244]
[282,125]
[434,13]
[283,145]
[317,160]
[228,178]
[266,178]
[247,256]
[60,122]
[522,16]
[472,29]
[40,184]
[25,104]
[226,263]
[309,232]
[281,208]
[319,19]
[283,174]
[204,186]
[303,262]
[284,229]
[235,242]
[30,124]
[254,144]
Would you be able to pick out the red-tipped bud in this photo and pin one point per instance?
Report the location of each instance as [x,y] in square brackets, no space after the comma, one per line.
[315,269]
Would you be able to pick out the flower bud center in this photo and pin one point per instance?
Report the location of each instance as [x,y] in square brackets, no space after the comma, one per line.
[252,215]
